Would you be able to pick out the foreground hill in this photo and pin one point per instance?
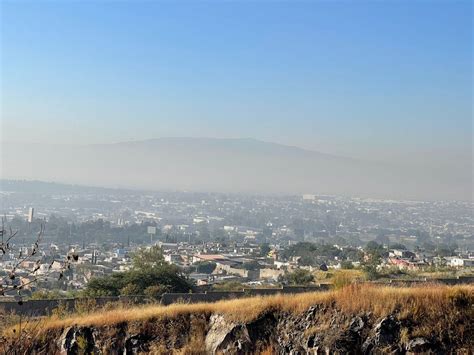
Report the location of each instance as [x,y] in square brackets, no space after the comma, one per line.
[229,165]
[356,319]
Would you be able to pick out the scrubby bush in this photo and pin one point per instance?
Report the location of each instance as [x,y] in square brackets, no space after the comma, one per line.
[298,277]
[347,265]
[155,291]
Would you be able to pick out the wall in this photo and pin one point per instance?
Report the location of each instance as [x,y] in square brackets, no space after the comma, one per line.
[35,308]
[45,307]
[210,296]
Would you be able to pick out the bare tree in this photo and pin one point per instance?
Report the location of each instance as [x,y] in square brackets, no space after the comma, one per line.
[28,261]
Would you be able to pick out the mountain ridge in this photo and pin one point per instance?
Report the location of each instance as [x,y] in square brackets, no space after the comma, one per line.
[228,165]
[207,140]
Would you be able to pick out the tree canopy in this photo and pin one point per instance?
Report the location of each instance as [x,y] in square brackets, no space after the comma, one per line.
[148,258]
[298,277]
[148,269]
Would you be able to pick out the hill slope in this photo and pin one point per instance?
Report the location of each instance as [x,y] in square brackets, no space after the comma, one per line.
[356,319]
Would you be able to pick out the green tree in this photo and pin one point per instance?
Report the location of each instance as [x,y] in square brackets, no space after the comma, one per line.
[298,277]
[109,285]
[251,265]
[130,290]
[370,271]
[205,267]
[374,251]
[148,258]
[155,291]
[446,249]
[398,246]
[264,249]
[346,264]
[136,281]
[312,254]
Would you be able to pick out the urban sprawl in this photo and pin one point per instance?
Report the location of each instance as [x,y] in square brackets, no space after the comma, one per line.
[221,240]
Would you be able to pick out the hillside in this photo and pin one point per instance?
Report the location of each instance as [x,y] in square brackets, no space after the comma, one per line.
[228,165]
[356,319]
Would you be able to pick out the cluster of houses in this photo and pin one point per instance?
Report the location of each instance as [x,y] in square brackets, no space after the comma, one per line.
[408,260]
[206,263]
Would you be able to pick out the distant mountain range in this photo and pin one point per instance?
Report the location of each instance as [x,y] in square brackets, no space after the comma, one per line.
[227,165]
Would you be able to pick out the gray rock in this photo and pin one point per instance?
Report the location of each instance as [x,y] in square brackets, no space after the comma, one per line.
[386,331]
[227,337]
[76,340]
[418,345]
[386,334]
[311,313]
[356,325]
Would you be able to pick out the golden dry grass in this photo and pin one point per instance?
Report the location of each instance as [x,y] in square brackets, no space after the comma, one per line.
[419,302]
[342,278]
[353,274]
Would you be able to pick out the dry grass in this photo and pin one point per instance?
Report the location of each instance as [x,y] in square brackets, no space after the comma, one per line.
[329,276]
[342,278]
[434,302]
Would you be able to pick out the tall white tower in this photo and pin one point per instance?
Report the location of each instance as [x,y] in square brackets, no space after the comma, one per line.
[31,213]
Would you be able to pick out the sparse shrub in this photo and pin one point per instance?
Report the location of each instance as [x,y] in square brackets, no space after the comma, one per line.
[298,277]
[156,291]
[404,335]
[347,265]
[81,343]
[342,279]
[371,272]
[196,342]
[46,295]
[60,311]
[460,298]
[130,290]
[109,306]
[84,305]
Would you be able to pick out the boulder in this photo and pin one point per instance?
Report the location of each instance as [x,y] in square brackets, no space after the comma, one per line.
[226,336]
[386,334]
[419,345]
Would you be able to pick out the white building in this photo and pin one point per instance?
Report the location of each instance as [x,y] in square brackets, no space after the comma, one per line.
[460,262]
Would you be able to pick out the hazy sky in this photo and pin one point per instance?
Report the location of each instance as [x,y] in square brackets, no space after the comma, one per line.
[376,79]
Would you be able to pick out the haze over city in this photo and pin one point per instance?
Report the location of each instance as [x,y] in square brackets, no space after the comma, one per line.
[386,84]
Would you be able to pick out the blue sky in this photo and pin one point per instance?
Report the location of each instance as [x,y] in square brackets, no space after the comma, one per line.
[378,79]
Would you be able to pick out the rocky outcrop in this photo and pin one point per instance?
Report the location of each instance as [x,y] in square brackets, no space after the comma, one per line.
[385,335]
[224,335]
[75,340]
[419,345]
[318,330]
